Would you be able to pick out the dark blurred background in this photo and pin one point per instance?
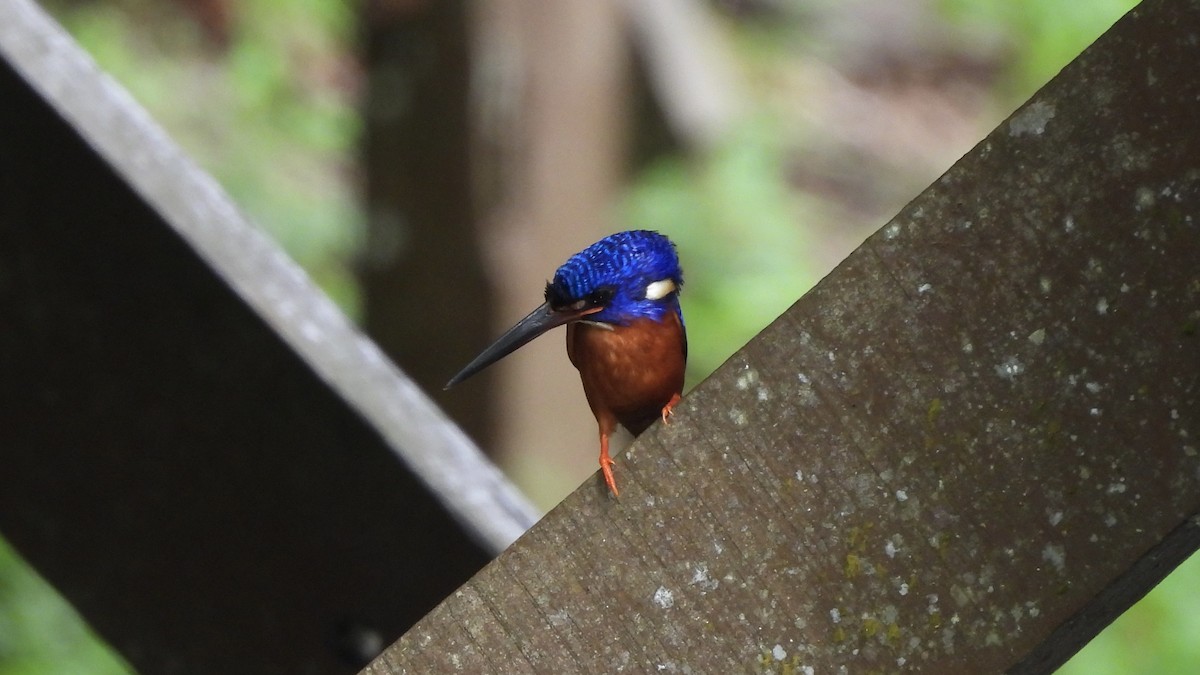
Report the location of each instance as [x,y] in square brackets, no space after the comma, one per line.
[431,163]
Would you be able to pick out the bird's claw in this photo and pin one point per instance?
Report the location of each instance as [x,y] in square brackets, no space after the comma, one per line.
[669,409]
[606,464]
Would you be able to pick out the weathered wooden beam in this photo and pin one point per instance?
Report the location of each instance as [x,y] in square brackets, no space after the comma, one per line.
[196,448]
[967,450]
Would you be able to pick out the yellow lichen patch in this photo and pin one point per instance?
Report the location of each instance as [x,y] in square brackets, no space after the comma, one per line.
[853,566]
[893,635]
[858,536]
[940,542]
[770,661]
[935,620]
[791,666]
[1053,429]
[935,409]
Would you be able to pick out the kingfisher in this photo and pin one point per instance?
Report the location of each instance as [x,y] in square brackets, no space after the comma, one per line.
[619,299]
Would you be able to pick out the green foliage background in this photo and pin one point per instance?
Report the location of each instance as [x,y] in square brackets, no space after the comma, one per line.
[274,118]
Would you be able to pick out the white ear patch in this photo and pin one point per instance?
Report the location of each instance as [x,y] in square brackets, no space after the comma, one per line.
[660,289]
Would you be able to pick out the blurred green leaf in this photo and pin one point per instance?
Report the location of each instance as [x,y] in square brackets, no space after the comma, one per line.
[1045,35]
[1157,635]
[740,230]
[40,633]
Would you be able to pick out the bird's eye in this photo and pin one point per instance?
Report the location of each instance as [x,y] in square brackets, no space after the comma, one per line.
[660,289]
[600,297]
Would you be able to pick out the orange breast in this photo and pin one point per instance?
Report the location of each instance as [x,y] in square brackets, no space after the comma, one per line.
[630,372]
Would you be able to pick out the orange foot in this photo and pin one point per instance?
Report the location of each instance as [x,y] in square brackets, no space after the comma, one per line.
[668,409]
[606,464]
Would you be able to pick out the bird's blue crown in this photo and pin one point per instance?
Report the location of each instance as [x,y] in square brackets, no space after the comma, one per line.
[624,273]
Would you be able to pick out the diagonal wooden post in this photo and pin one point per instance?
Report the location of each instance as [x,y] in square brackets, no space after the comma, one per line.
[967,450]
[196,447]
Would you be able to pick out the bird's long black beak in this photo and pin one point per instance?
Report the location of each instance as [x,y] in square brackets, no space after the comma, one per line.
[539,321]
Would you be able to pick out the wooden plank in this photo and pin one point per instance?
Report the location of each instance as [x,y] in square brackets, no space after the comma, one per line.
[198,449]
[967,450]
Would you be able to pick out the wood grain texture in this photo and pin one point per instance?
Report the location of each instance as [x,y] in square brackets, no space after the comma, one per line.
[967,450]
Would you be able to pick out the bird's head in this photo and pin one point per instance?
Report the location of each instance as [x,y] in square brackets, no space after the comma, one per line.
[622,277]
[625,276]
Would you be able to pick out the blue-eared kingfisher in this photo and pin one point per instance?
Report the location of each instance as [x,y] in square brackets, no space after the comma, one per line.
[619,299]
